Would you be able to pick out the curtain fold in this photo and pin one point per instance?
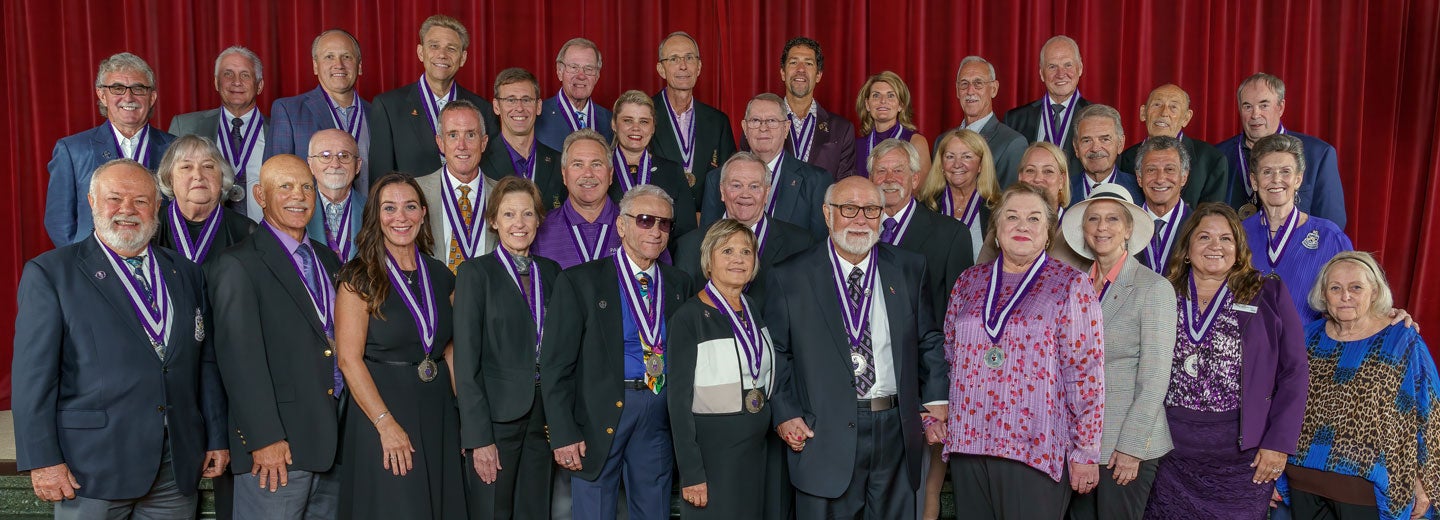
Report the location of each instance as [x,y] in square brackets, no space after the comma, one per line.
[1364,76]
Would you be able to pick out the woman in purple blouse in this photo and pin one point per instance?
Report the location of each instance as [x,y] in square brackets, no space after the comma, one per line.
[1238,381]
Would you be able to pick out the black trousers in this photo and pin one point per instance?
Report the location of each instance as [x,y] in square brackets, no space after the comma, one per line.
[1111,501]
[992,487]
[1305,506]
[522,486]
[879,487]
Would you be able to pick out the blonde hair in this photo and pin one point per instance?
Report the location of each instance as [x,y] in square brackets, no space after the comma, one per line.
[1060,161]
[935,183]
[1374,275]
[718,234]
[904,118]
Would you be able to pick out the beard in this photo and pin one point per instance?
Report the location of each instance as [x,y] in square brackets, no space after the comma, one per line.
[855,245]
[334,181]
[125,240]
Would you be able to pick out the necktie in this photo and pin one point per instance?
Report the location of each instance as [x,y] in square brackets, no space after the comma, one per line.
[332,219]
[1155,240]
[580,118]
[887,231]
[456,255]
[865,379]
[1056,109]
[644,281]
[137,268]
[657,382]
[236,139]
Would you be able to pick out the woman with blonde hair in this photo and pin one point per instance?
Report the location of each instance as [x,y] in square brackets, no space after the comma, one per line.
[883,107]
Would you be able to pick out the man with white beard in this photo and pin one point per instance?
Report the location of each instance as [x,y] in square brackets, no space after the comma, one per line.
[334,160]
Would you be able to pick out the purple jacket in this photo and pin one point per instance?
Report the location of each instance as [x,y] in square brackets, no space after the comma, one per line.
[1274,371]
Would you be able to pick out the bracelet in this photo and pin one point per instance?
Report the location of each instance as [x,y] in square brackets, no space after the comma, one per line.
[381,417]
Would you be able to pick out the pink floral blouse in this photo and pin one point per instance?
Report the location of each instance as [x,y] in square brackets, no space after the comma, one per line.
[1037,396]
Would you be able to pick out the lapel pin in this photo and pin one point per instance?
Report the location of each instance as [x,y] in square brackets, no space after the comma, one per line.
[892,289]
[794,182]
[99,275]
[604,304]
[414,112]
[106,154]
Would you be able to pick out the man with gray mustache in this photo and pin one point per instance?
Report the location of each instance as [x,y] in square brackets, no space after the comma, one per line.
[1099,137]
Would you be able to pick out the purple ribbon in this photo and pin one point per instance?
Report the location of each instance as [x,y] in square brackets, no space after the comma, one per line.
[1276,246]
[155,319]
[685,138]
[997,315]
[1056,136]
[646,310]
[800,140]
[179,233]
[467,237]
[1244,163]
[1090,186]
[1163,241]
[324,300]
[536,301]
[904,217]
[1193,317]
[894,134]
[248,143]
[338,239]
[142,144]
[747,333]
[570,113]
[523,167]
[856,317]
[591,251]
[422,308]
[972,207]
[642,173]
[432,106]
[352,124]
[774,184]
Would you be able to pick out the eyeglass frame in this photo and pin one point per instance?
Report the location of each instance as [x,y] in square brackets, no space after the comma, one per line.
[666,223]
[575,68]
[343,156]
[854,210]
[756,123]
[117,89]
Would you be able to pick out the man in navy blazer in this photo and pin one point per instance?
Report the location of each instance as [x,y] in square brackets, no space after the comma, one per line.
[817,136]
[1051,118]
[406,120]
[578,65]
[118,402]
[799,187]
[1099,138]
[1262,102]
[335,182]
[239,78]
[976,87]
[335,58]
[125,87]
[846,400]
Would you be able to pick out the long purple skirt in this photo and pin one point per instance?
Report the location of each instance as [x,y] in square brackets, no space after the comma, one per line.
[1206,475]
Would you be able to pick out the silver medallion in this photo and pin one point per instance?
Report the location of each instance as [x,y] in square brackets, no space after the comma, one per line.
[1192,365]
[1312,240]
[199,325]
[654,365]
[754,400]
[995,357]
[859,362]
[428,370]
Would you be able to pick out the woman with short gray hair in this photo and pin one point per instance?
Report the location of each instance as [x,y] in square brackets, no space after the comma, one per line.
[195,179]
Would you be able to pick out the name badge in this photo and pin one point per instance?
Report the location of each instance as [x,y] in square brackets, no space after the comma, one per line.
[1245,308]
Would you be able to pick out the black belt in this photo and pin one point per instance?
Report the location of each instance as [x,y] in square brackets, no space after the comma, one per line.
[400,363]
[878,404]
[633,384]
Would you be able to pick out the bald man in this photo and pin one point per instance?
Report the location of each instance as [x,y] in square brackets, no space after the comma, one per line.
[1167,112]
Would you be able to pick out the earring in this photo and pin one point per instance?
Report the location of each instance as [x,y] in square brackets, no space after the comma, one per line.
[1186,260]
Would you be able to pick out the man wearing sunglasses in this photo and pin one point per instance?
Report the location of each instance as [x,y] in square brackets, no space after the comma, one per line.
[610,314]
[854,339]
[125,92]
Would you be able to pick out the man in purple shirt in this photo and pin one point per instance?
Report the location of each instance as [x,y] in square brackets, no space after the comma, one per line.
[583,227]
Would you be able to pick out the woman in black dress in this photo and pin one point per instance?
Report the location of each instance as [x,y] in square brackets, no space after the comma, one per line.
[401,452]
[500,301]
[720,380]
[196,178]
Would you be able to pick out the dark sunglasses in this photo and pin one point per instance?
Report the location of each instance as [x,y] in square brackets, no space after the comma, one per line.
[644,221]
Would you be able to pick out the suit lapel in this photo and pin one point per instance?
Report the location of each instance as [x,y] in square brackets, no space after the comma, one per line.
[433,192]
[669,144]
[823,283]
[1118,296]
[102,141]
[96,268]
[181,309]
[897,297]
[419,121]
[319,109]
[273,255]
[787,187]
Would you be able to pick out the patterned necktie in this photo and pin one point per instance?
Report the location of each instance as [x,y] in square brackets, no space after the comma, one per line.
[581,119]
[137,268]
[1056,109]
[657,382]
[456,255]
[887,231]
[865,379]
[332,219]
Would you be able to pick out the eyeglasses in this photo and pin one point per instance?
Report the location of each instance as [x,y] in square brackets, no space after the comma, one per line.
[755,123]
[513,102]
[851,210]
[965,84]
[644,221]
[576,68]
[688,59]
[137,89]
[324,157]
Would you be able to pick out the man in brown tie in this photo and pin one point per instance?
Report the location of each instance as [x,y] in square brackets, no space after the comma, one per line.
[457,191]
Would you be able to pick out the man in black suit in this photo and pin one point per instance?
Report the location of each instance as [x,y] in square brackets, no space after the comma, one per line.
[1163,171]
[602,366]
[1052,117]
[110,332]
[517,102]
[404,121]
[691,133]
[275,296]
[817,136]
[744,188]
[797,188]
[894,167]
[237,127]
[868,441]
[1167,112]
[976,87]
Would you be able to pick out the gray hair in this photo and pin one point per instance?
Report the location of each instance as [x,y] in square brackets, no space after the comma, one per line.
[1374,275]
[1271,81]
[1060,38]
[181,148]
[721,232]
[764,96]
[890,145]
[124,62]
[975,59]
[745,157]
[584,134]
[1097,110]
[1158,143]
[96,177]
[247,54]
[1278,143]
[660,49]
[464,104]
[315,45]
[645,190]
[583,43]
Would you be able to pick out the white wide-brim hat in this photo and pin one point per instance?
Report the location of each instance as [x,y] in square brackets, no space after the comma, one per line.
[1073,224]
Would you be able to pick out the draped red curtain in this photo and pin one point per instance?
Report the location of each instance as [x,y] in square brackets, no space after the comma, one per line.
[1363,75]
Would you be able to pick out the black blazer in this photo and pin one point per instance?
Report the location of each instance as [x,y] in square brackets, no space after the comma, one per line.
[1025,119]
[277,363]
[234,227]
[494,345]
[1209,172]
[945,244]
[495,162]
[401,138]
[89,390]
[582,361]
[784,241]
[801,193]
[812,361]
[714,142]
[668,176]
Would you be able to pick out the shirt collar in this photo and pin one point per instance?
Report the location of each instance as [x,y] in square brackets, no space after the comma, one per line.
[636,268]
[814,107]
[246,117]
[846,266]
[1109,276]
[980,123]
[286,241]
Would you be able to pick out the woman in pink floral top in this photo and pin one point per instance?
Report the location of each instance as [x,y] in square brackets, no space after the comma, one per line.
[1025,344]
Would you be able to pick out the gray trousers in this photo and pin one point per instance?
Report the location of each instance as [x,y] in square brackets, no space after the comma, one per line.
[164,501]
[307,496]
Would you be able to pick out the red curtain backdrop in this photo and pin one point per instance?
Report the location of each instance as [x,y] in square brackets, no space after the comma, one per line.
[1364,76]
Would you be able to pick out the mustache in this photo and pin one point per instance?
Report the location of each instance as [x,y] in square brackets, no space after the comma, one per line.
[1097,155]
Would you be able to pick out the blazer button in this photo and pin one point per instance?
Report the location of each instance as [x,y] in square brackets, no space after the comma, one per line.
[160,408]
[852,425]
[619,404]
[610,431]
[329,352]
[330,391]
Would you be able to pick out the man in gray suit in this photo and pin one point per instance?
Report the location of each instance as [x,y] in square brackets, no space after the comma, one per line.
[976,87]
[457,191]
[335,162]
[241,134]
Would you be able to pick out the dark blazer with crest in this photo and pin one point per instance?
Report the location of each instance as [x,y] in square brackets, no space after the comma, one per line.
[714,142]
[814,380]
[801,192]
[582,360]
[89,390]
[495,163]
[67,210]
[834,147]
[401,138]
[494,372]
[276,360]
[1026,120]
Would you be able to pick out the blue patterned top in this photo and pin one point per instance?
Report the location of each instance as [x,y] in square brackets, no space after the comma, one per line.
[1314,242]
